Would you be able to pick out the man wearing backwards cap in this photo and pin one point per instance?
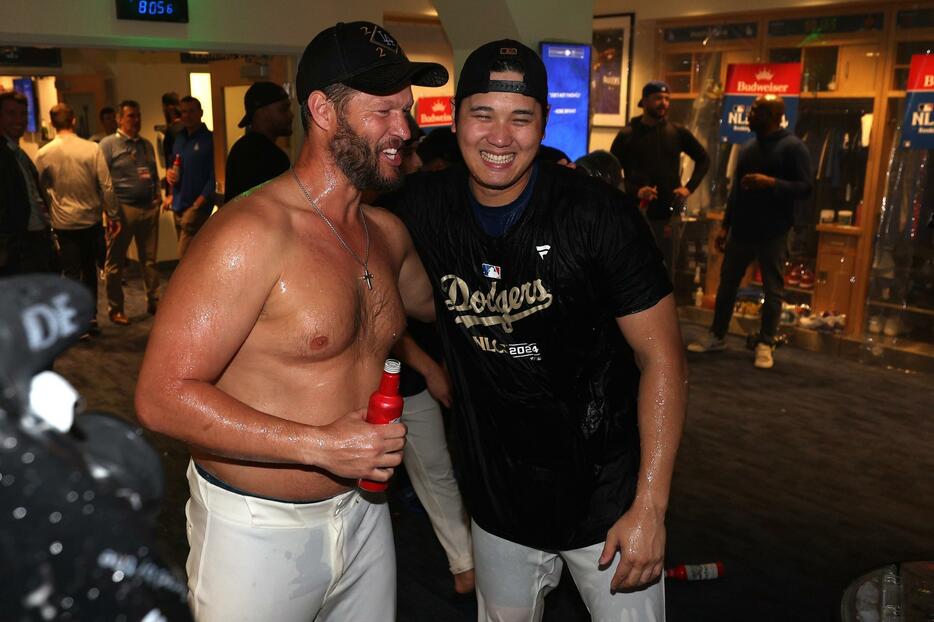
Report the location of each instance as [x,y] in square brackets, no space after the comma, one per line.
[272,335]
[649,150]
[255,158]
[560,333]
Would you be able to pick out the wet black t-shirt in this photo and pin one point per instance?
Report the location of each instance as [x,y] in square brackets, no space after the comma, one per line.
[546,386]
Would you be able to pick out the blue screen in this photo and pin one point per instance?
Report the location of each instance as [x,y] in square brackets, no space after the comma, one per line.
[25,86]
[568,127]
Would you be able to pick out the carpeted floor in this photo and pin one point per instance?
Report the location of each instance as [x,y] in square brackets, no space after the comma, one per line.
[798,479]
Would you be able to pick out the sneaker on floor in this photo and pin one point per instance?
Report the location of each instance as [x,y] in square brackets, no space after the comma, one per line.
[119,318]
[764,356]
[710,343]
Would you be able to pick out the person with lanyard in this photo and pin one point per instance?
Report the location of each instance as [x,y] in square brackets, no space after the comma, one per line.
[256,158]
[132,162]
[560,333]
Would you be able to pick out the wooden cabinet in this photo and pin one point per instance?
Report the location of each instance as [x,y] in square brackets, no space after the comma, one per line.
[856,68]
[836,270]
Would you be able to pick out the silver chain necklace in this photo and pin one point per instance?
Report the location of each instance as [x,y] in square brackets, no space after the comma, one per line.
[367,275]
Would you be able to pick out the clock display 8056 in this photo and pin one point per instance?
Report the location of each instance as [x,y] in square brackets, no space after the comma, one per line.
[153,10]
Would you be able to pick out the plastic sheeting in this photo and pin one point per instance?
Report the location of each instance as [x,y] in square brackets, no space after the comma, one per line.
[900,304]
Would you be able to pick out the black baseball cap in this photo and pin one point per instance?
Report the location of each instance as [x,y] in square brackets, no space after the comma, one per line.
[363,56]
[475,75]
[651,88]
[258,95]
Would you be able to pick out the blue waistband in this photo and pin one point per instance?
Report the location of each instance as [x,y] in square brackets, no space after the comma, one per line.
[213,479]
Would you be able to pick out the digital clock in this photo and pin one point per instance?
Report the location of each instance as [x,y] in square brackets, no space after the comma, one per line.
[153,10]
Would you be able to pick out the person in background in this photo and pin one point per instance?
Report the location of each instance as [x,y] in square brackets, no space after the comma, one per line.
[74,175]
[438,150]
[553,154]
[192,189]
[649,150]
[773,174]
[602,165]
[132,163]
[256,158]
[411,160]
[172,128]
[26,242]
[426,387]
[108,123]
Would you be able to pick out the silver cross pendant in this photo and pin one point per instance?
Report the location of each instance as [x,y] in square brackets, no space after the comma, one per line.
[368,277]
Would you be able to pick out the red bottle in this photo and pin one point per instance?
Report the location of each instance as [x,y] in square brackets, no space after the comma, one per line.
[695,572]
[177,165]
[385,407]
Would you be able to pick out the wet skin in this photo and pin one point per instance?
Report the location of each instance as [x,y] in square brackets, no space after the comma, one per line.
[268,344]
[499,135]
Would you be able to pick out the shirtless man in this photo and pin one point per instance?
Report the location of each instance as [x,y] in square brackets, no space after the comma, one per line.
[270,339]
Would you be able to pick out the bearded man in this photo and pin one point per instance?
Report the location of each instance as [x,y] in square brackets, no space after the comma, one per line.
[270,338]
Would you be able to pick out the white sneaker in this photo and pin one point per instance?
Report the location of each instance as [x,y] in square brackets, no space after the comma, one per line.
[710,343]
[764,356]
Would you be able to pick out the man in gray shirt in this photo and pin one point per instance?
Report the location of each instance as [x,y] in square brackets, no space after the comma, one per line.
[132,162]
[73,173]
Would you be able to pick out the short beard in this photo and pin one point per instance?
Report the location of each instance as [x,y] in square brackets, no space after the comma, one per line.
[358,162]
[656,114]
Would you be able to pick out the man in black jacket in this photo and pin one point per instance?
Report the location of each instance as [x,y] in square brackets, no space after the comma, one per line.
[255,158]
[25,236]
[649,150]
[773,173]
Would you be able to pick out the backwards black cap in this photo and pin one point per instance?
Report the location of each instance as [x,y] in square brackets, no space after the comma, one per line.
[475,75]
[258,95]
[364,57]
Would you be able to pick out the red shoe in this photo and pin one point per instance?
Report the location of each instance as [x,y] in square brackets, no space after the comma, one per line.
[807,279]
[793,275]
[119,318]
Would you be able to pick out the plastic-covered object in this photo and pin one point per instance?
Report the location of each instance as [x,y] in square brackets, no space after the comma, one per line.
[900,299]
[77,506]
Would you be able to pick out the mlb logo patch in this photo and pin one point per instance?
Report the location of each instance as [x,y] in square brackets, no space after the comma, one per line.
[492,272]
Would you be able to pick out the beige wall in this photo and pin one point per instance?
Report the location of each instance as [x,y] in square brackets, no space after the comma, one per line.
[425,41]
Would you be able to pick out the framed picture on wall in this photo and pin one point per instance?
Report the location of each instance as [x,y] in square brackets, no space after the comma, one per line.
[611,68]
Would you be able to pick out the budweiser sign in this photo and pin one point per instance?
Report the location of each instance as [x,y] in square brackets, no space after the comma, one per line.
[770,79]
[921,74]
[434,111]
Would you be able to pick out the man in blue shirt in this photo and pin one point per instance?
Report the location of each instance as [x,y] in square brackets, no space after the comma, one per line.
[192,186]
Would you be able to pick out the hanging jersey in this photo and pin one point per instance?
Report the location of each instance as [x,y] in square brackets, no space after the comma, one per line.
[545,408]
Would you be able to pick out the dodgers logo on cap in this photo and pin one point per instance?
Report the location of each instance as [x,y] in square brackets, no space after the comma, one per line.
[383,39]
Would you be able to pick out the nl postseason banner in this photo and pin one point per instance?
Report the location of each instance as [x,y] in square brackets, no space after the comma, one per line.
[918,126]
[746,82]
